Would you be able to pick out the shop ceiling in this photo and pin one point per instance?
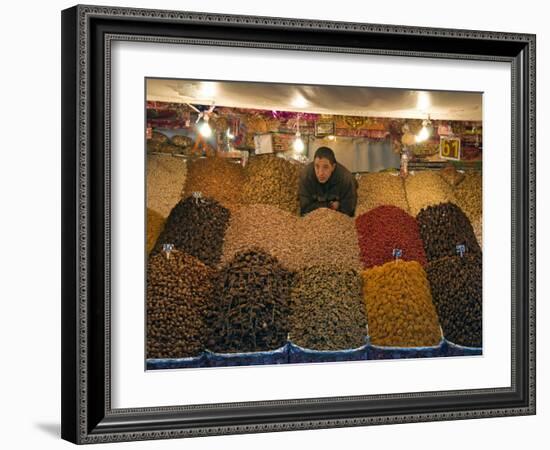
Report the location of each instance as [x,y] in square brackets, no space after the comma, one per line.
[343,100]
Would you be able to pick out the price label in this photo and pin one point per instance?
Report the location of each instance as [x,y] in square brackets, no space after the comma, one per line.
[167,248]
[397,253]
[449,148]
[461,249]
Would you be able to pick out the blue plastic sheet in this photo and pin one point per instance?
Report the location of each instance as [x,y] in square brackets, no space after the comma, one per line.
[299,354]
[176,363]
[278,356]
[378,352]
[451,349]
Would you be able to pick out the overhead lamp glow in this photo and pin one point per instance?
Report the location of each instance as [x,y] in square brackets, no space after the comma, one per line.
[424,133]
[205,130]
[298,144]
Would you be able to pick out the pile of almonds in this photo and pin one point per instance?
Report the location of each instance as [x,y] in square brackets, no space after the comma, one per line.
[379,189]
[426,188]
[271,180]
[217,178]
[165,180]
[400,312]
[179,295]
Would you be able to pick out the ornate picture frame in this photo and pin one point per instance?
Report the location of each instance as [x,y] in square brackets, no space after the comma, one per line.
[88,33]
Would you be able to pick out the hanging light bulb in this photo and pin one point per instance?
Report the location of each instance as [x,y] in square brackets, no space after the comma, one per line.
[229,134]
[204,129]
[331,137]
[424,132]
[298,144]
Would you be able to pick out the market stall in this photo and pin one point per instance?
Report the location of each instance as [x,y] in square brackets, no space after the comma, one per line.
[236,276]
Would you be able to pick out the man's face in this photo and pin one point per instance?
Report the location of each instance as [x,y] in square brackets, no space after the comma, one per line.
[323,169]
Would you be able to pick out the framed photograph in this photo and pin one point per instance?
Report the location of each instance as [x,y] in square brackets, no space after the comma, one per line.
[209,290]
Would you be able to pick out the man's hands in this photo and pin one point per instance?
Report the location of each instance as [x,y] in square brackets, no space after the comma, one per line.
[334,205]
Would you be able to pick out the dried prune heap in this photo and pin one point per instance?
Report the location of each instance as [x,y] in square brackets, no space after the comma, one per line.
[426,188]
[451,176]
[400,312]
[265,227]
[216,178]
[457,293]
[272,181]
[251,304]
[179,296]
[327,309]
[165,180]
[155,225]
[469,195]
[378,189]
[168,147]
[197,227]
[385,229]
[442,228]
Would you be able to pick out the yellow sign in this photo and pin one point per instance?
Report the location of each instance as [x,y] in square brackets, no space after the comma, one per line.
[449,148]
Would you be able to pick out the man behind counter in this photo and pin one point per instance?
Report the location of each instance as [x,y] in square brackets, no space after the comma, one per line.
[325,183]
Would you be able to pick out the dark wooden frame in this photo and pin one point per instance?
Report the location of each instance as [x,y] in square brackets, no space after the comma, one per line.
[87,32]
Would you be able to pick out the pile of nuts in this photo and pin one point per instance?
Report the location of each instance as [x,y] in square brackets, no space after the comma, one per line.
[155,225]
[443,228]
[384,231]
[179,295]
[216,178]
[165,180]
[261,226]
[451,176]
[457,293]
[272,181]
[469,195]
[196,226]
[323,236]
[426,188]
[377,189]
[327,309]
[400,311]
[251,304]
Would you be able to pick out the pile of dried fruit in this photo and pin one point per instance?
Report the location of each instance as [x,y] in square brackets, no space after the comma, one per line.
[179,295]
[165,180]
[469,195]
[272,181]
[400,312]
[457,293]
[159,137]
[426,188]
[251,304]
[322,236]
[378,189]
[385,229]
[182,141]
[196,226]
[155,225]
[327,309]
[442,228]
[216,178]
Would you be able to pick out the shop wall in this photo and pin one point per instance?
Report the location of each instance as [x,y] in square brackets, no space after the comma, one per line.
[30,186]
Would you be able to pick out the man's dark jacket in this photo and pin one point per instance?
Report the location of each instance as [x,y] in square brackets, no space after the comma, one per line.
[341,187]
